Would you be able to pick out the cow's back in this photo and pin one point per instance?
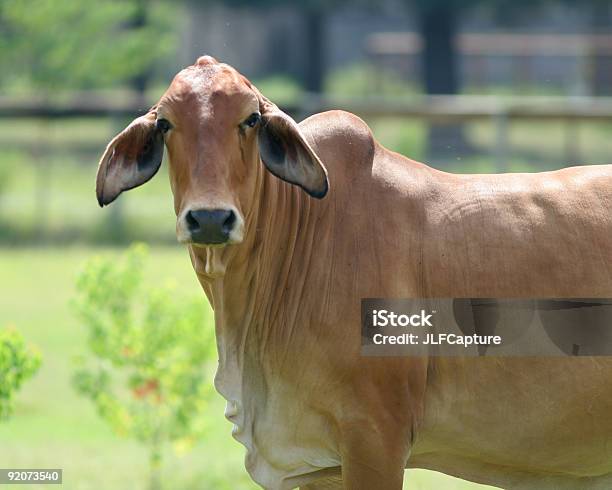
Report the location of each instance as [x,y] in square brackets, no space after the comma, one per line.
[533,235]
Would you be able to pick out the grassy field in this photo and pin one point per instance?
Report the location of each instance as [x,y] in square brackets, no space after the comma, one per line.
[53,427]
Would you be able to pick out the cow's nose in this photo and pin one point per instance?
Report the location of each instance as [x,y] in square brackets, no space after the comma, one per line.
[210,226]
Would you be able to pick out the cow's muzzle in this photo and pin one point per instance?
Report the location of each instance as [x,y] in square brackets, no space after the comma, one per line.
[211,226]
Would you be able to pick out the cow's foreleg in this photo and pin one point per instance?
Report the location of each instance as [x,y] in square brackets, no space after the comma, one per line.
[359,475]
[332,483]
[373,462]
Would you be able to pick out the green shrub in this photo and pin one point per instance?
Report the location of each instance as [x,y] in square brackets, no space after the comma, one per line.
[148,355]
[18,362]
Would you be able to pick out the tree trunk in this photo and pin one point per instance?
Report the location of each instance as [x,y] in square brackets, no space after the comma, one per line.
[315,53]
[155,463]
[138,21]
[439,59]
[440,74]
[601,64]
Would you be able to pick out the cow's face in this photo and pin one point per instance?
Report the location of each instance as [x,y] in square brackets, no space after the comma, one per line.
[217,129]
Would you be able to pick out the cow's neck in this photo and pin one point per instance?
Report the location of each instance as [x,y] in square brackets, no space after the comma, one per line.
[258,295]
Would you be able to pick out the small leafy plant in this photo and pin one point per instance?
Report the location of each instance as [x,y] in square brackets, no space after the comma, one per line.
[149,355]
[18,362]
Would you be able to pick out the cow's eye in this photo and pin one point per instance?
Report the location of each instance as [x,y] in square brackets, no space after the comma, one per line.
[163,125]
[252,120]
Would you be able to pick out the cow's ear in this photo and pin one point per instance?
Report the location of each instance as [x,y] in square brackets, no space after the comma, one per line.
[286,154]
[130,159]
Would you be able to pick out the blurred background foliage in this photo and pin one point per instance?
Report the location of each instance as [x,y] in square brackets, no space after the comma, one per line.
[60,45]
[57,54]
[148,356]
[18,362]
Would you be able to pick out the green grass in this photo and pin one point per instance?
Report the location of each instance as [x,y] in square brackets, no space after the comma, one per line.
[54,427]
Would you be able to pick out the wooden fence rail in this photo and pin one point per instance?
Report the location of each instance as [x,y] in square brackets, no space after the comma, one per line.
[440,107]
[457,109]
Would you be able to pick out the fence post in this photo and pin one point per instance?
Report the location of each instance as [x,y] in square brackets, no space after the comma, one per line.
[501,141]
[42,188]
[572,142]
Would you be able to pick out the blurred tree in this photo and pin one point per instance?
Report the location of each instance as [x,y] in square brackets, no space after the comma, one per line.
[138,22]
[48,46]
[600,65]
[437,21]
[149,351]
[314,21]
[68,44]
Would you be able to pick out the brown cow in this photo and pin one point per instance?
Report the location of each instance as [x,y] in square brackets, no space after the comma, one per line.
[285,272]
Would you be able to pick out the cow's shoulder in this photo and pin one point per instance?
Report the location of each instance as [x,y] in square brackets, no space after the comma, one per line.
[339,137]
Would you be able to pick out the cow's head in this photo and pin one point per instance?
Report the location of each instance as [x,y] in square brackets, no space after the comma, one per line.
[217,129]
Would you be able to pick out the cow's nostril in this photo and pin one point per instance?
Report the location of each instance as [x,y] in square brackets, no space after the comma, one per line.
[228,224]
[192,222]
[210,226]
